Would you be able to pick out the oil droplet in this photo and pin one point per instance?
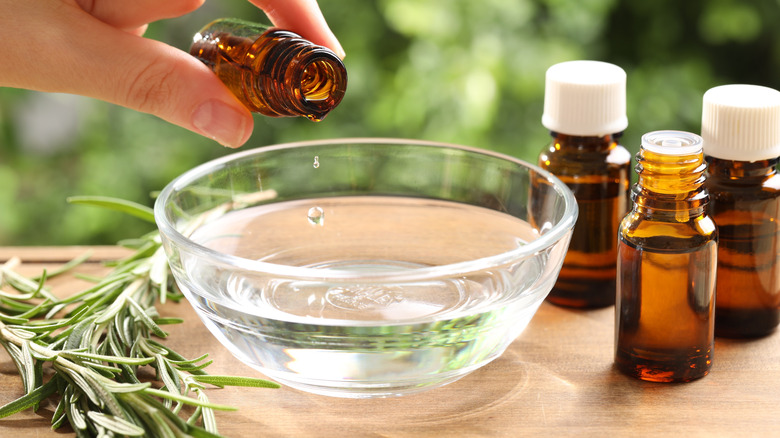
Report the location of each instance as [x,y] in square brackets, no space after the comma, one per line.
[316,216]
[316,161]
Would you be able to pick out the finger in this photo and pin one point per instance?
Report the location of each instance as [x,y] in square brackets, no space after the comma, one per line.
[147,76]
[125,14]
[302,17]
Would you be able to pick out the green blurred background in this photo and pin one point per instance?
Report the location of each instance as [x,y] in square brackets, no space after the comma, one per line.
[462,71]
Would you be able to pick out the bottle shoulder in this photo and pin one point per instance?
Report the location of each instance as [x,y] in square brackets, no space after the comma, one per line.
[579,161]
[665,232]
[619,155]
[743,189]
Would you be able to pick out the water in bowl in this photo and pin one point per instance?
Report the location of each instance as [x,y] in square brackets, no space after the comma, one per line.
[352,338]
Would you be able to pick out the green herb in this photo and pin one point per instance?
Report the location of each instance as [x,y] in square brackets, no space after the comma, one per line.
[88,348]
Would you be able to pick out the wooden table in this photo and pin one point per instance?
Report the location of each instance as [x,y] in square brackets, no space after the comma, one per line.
[556,379]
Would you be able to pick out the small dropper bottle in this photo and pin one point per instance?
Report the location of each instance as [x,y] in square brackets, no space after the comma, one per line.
[741,131]
[272,71]
[585,111]
[667,260]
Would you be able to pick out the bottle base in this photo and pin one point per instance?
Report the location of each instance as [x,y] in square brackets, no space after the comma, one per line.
[663,368]
[745,323]
[586,294]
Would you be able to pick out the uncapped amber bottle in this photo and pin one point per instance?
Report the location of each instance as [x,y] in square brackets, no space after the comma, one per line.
[667,260]
[272,71]
[741,131]
[585,111]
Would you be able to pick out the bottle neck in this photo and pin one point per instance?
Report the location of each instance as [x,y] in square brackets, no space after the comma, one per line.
[585,144]
[741,171]
[670,186]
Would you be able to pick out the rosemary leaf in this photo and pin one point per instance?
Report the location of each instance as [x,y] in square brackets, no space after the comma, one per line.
[75,376]
[107,398]
[126,387]
[152,409]
[129,207]
[196,432]
[107,371]
[187,400]
[195,415]
[66,267]
[12,319]
[188,362]
[59,417]
[55,309]
[11,305]
[116,424]
[28,288]
[209,420]
[105,358]
[80,331]
[23,333]
[28,368]
[194,369]
[147,321]
[177,358]
[236,381]
[75,416]
[168,321]
[87,277]
[29,400]
[165,376]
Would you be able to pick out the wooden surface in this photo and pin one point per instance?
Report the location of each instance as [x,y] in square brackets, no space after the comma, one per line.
[556,379]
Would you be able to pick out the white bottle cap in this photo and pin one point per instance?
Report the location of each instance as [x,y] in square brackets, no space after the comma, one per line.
[585,98]
[741,122]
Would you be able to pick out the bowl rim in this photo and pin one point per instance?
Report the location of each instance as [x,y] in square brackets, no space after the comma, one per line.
[564,226]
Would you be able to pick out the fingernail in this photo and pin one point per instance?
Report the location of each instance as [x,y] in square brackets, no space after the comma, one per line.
[338,49]
[221,122]
[334,44]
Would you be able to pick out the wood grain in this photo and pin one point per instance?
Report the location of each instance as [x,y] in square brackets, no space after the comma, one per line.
[556,379]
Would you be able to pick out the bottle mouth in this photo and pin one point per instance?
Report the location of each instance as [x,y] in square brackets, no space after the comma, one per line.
[322,84]
[676,143]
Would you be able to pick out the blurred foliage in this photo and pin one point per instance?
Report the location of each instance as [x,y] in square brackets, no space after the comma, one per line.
[457,71]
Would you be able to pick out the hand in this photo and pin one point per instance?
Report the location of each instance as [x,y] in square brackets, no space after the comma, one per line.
[95,48]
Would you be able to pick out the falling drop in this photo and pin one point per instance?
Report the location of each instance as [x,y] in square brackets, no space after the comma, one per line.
[316,161]
[316,216]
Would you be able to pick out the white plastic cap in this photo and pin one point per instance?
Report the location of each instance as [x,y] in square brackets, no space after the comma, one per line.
[678,143]
[585,98]
[741,122]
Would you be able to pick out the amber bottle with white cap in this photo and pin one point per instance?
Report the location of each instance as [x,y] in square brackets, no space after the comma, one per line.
[741,131]
[667,261]
[585,111]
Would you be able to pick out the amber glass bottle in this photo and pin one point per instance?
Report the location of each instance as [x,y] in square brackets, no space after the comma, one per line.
[272,71]
[667,260]
[741,131]
[585,110]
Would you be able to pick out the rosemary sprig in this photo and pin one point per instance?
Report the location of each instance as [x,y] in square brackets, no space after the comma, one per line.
[88,348]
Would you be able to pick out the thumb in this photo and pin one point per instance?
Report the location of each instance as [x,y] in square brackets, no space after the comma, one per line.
[96,60]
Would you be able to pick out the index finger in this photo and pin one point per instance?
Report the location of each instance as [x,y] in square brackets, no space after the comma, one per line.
[302,17]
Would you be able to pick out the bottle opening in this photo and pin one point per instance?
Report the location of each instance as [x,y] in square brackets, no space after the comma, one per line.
[672,142]
[322,86]
[315,84]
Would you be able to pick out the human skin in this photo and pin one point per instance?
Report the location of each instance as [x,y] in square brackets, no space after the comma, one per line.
[96,48]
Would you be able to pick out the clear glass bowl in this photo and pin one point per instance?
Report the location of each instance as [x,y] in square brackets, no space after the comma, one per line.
[366,267]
